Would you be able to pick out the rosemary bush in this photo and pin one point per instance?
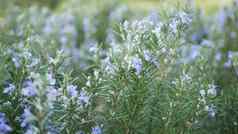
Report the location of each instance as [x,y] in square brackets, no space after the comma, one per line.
[108,73]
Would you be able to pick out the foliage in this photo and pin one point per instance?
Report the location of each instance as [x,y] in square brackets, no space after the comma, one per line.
[104,71]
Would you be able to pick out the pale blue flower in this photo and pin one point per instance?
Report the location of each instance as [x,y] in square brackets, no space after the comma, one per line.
[109,67]
[137,64]
[233,35]
[29,89]
[31,130]
[230,54]
[83,97]
[222,18]
[4,127]
[218,56]
[26,118]
[198,36]
[118,14]
[9,89]
[86,25]
[228,63]
[79,132]
[72,90]
[236,1]
[194,52]
[96,130]
[63,40]
[111,39]
[47,29]
[52,94]
[153,16]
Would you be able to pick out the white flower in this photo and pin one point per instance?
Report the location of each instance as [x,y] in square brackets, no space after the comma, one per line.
[16,62]
[50,79]
[235,123]
[202,93]
[26,55]
[212,111]
[185,18]
[126,25]
[185,77]
[206,108]
[88,83]
[173,26]
[212,90]
[34,62]
[96,74]
[147,55]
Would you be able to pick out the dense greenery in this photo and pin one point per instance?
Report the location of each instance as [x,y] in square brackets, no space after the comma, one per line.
[104,69]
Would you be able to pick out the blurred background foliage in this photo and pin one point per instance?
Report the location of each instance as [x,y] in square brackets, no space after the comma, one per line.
[209,6]
[85,11]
